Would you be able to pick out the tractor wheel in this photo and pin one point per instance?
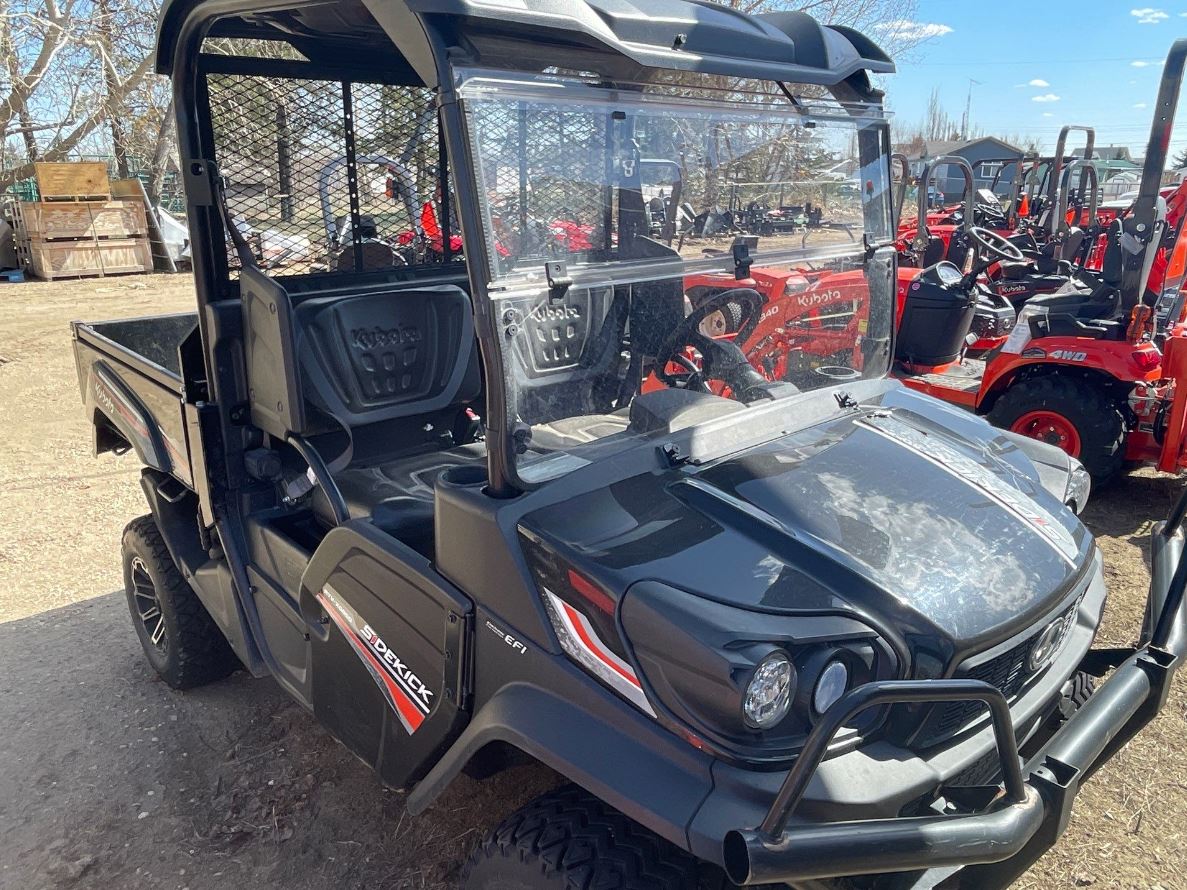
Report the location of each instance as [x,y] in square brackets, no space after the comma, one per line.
[1071,414]
[567,839]
[180,639]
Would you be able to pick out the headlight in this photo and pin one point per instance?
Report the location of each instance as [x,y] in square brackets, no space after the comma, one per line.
[1079,486]
[768,696]
[833,683]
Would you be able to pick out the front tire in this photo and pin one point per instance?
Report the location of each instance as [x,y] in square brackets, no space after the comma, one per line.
[569,840]
[1070,413]
[180,639]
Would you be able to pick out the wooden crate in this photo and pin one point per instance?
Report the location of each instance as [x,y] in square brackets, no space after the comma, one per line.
[57,220]
[76,259]
[75,180]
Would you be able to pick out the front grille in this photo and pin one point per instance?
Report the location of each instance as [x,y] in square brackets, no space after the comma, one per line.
[1007,672]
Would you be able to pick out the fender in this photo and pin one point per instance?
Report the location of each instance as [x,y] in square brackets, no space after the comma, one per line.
[1123,361]
[581,731]
[108,395]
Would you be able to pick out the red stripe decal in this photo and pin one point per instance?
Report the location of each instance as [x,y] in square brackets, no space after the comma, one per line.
[594,645]
[410,715]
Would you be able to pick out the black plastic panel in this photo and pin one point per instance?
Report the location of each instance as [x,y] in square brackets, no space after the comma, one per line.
[380,356]
[397,604]
[277,406]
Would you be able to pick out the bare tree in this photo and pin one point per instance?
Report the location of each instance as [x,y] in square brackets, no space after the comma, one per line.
[65,78]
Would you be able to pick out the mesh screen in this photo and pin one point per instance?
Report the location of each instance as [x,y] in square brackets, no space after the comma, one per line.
[285,147]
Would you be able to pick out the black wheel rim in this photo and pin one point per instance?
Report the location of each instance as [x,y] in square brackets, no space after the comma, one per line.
[148,606]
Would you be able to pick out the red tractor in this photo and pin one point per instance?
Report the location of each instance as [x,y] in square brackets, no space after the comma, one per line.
[1096,367]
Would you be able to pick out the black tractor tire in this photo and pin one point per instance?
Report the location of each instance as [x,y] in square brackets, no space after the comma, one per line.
[567,839]
[1096,417]
[180,639]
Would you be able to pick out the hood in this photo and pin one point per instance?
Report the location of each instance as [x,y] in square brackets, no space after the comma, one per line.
[940,540]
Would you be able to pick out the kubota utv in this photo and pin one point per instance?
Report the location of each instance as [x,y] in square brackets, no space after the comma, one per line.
[767,631]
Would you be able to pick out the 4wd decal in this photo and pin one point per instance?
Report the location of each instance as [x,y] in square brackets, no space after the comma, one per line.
[1068,355]
[409,697]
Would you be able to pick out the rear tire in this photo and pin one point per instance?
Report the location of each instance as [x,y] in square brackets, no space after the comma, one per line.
[180,639]
[1094,420]
[569,840]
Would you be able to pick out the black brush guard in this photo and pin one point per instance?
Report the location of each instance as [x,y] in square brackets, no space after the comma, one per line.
[996,845]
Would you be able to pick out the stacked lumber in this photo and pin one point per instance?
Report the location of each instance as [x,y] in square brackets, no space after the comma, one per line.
[77,229]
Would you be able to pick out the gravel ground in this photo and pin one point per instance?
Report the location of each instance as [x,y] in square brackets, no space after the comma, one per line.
[108,779]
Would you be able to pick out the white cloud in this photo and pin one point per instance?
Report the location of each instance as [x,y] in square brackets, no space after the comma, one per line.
[1139,105]
[1148,15]
[1038,82]
[1048,114]
[1045,97]
[1141,63]
[905,29]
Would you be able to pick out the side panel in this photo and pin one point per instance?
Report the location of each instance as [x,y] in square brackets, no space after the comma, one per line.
[390,650]
[146,414]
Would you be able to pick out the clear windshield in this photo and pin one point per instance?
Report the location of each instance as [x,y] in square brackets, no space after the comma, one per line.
[640,243]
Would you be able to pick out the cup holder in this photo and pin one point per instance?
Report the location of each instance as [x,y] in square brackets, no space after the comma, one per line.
[837,372]
[464,475]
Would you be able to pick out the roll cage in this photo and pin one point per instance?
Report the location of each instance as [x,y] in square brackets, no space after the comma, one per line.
[416,44]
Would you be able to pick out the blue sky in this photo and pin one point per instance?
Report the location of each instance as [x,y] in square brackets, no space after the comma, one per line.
[1041,64]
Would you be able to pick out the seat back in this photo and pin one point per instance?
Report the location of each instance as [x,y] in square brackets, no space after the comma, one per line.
[933,253]
[388,355]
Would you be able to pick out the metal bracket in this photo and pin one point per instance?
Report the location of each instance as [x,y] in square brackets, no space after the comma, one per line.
[559,280]
[200,181]
[741,253]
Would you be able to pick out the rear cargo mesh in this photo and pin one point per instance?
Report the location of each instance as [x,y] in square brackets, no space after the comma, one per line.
[326,176]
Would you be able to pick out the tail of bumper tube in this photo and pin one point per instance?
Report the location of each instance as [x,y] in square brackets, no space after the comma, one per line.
[995,846]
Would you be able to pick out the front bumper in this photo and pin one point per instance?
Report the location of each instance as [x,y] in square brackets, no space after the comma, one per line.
[994,844]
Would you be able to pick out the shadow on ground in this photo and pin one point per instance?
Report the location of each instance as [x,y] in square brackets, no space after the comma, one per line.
[133,785]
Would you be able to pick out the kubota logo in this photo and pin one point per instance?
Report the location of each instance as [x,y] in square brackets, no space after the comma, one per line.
[818,298]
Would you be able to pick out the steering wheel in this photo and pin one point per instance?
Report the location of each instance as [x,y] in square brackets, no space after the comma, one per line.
[994,244]
[720,359]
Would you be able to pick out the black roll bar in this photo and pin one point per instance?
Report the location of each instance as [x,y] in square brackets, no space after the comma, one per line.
[920,240]
[1088,179]
[1141,219]
[1057,163]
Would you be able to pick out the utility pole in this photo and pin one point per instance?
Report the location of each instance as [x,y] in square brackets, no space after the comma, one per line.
[968,103]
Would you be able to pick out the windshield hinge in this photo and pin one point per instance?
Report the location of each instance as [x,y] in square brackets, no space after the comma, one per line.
[741,252]
[673,455]
[559,281]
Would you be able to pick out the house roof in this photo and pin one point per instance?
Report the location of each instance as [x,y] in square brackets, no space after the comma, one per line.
[1107,153]
[935,147]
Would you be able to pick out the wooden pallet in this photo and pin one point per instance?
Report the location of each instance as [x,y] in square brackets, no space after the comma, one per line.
[51,260]
[72,181]
[56,220]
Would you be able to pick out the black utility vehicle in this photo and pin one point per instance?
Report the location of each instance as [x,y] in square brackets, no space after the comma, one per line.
[467,479]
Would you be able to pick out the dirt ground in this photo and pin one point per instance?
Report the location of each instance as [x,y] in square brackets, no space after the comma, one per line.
[108,779]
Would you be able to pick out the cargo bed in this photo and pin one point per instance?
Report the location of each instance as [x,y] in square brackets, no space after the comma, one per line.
[129,376]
